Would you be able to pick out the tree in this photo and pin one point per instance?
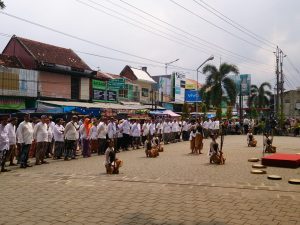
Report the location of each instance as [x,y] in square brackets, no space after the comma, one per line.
[260,96]
[218,85]
[185,111]
[2,5]
[229,112]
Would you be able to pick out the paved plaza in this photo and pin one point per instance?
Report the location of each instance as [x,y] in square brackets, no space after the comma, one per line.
[175,188]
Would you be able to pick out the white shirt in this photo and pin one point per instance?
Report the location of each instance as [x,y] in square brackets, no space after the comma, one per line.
[175,127]
[102,130]
[166,128]
[4,141]
[159,127]
[94,132]
[119,131]
[216,125]
[83,133]
[111,130]
[11,130]
[58,133]
[25,133]
[40,132]
[126,127]
[152,128]
[50,133]
[145,129]
[186,126]
[211,124]
[205,125]
[71,132]
[135,130]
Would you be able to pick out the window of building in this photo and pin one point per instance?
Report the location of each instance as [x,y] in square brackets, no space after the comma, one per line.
[145,92]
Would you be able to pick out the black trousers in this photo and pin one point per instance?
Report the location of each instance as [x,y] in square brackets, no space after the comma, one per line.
[126,140]
[102,146]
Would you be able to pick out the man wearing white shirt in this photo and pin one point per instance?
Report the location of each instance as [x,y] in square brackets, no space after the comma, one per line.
[11,129]
[58,133]
[71,136]
[174,130]
[40,134]
[126,134]
[135,131]
[111,129]
[210,126]
[216,126]
[102,132]
[185,130]
[145,130]
[4,143]
[25,138]
[205,128]
[166,129]
[152,129]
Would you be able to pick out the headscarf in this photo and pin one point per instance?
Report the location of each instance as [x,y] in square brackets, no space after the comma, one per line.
[87,126]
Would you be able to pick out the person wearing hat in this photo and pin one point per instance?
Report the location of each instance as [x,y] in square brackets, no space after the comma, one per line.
[25,138]
[11,129]
[58,133]
[40,134]
[71,136]
[4,142]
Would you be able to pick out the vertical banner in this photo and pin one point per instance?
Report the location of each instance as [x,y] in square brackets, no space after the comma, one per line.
[179,87]
[245,84]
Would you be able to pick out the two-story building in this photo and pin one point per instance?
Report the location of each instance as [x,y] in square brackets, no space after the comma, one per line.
[62,74]
[141,78]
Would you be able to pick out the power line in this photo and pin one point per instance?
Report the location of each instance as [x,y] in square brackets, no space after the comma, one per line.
[77,38]
[213,24]
[234,24]
[190,34]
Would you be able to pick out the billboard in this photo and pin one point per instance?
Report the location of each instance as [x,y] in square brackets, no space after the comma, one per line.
[165,85]
[179,87]
[245,84]
[18,82]
[192,84]
[192,96]
[102,93]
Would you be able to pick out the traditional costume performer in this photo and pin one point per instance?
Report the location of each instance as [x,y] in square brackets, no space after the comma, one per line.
[250,139]
[268,147]
[112,163]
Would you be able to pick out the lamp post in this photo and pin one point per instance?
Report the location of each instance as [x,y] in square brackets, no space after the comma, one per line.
[166,65]
[209,59]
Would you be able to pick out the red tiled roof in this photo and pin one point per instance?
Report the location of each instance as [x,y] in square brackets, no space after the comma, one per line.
[10,61]
[53,54]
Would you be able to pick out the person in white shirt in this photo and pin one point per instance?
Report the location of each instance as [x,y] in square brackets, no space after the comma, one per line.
[136,134]
[145,131]
[85,134]
[216,126]
[119,134]
[40,134]
[210,126]
[4,142]
[94,136]
[152,129]
[25,138]
[49,146]
[58,133]
[185,130]
[175,131]
[71,137]
[102,132]
[166,131]
[11,129]
[126,134]
[205,128]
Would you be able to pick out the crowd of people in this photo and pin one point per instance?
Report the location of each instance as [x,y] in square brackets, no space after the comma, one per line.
[44,138]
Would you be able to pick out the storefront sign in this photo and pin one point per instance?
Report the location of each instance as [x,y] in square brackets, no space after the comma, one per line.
[192,96]
[179,87]
[105,95]
[116,83]
[99,84]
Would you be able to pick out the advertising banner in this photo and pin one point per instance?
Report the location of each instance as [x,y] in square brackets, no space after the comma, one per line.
[192,96]
[179,87]
[244,84]
[104,95]
[18,82]
[99,84]
[116,83]
[165,89]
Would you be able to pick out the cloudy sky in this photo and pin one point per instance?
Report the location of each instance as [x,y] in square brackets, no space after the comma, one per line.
[153,32]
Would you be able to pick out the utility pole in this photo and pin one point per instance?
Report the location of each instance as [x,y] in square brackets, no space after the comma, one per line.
[277,53]
[282,55]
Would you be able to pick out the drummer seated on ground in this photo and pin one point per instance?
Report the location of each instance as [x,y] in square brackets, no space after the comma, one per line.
[216,156]
[150,151]
[251,140]
[112,164]
[268,147]
[157,144]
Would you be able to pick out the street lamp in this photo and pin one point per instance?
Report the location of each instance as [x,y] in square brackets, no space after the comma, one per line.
[166,65]
[209,59]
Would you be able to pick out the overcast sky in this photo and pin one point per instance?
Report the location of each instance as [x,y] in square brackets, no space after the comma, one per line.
[185,35]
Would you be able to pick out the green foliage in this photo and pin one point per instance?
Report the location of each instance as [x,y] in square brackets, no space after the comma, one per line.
[185,111]
[260,96]
[253,113]
[219,113]
[217,81]
[229,112]
[2,5]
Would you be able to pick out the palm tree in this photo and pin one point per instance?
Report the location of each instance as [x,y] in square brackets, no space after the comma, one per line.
[260,96]
[2,5]
[218,83]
